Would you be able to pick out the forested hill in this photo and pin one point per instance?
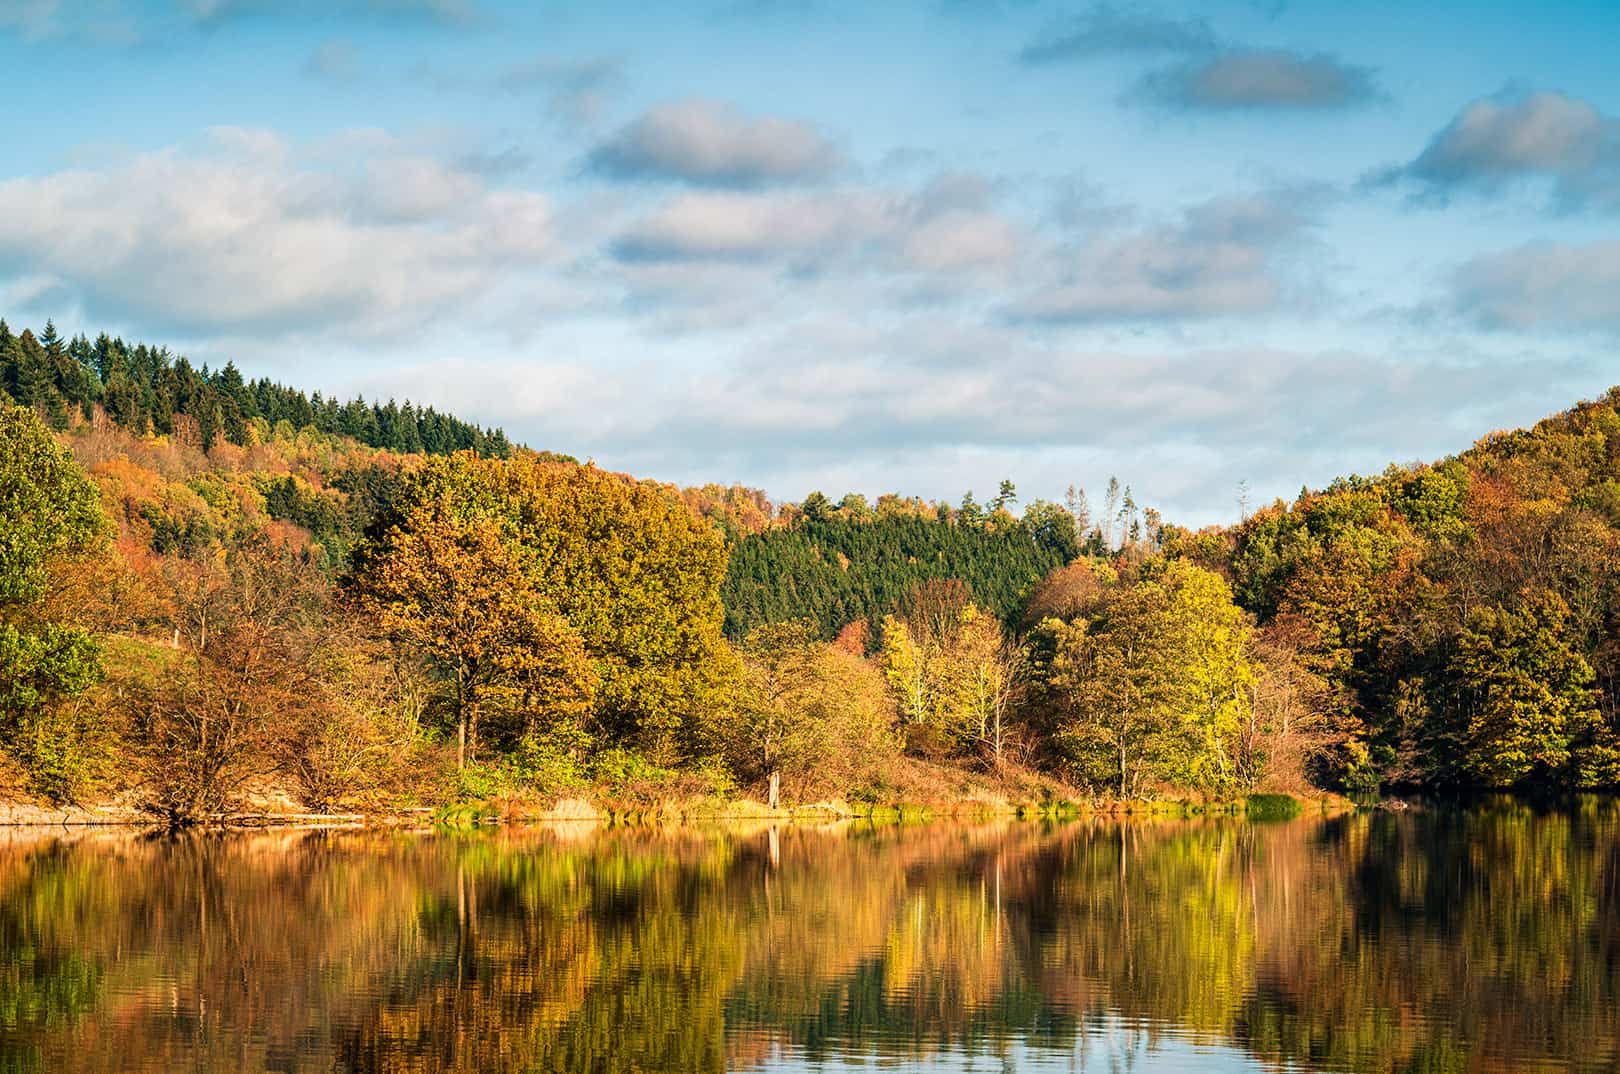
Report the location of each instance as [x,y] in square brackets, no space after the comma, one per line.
[837,566]
[1462,619]
[149,390]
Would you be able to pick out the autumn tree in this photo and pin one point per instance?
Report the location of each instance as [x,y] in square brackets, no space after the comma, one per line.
[1153,685]
[363,744]
[915,662]
[452,589]
[251,623]
[1216,677]
[981,680]
[585,577]
[955,675]
[810,715]
[907,667]
[1067,592]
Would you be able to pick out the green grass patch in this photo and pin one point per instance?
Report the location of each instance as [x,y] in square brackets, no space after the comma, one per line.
[1272,807]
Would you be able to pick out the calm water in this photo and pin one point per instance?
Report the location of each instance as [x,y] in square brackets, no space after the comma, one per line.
[1486,940]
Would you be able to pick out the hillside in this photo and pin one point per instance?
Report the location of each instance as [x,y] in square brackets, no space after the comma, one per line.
[1462,618]
[844,567]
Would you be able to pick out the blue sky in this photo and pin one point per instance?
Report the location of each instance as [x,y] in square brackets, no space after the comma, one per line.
[806,244]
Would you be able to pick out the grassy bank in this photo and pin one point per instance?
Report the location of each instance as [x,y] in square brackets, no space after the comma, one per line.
[1021,797]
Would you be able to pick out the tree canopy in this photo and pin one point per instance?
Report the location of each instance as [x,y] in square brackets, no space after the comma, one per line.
[48,511]
[634,576]
[148,389]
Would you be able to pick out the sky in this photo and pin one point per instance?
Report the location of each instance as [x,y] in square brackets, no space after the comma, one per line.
[805,244]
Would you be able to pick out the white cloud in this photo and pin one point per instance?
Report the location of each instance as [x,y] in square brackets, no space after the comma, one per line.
[247,235]
[936,406]
[750,227]
[960,239]
[948,224]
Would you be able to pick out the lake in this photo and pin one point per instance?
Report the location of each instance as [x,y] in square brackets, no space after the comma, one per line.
[1479,939]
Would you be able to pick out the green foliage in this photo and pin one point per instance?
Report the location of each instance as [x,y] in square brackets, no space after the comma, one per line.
[611,566]
[625,775]
[832,569]
[1152,685]
[552,763]
[48,512]
[1464,617]
[39,671]
[324,514]
[1524,693]
[147,389]
[48,508]
[480,781]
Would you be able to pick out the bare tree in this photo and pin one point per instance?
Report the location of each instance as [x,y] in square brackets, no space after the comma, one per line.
[251,625]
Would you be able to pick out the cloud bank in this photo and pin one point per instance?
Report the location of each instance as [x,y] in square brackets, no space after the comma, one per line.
[247,236]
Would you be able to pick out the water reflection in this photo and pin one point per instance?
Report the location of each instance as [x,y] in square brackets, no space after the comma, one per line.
[1485,940]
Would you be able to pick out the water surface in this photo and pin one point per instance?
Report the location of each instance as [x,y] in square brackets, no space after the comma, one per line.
[1478,940]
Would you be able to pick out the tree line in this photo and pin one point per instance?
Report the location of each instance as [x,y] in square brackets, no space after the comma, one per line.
[148,389]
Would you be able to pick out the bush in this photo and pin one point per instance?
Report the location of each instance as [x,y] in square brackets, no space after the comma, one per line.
[626,775]
[548,763]
[477,781]
[50,736]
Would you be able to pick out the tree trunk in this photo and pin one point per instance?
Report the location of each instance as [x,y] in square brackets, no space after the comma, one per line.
[461,741]
[996,745]
[775,796]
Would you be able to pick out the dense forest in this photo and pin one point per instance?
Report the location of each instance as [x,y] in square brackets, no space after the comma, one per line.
[842,567]
[853,562]
[1460,622]
[148,389]
[289,609]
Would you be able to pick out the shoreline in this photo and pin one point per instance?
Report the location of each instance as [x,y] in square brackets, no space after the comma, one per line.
[684,812]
